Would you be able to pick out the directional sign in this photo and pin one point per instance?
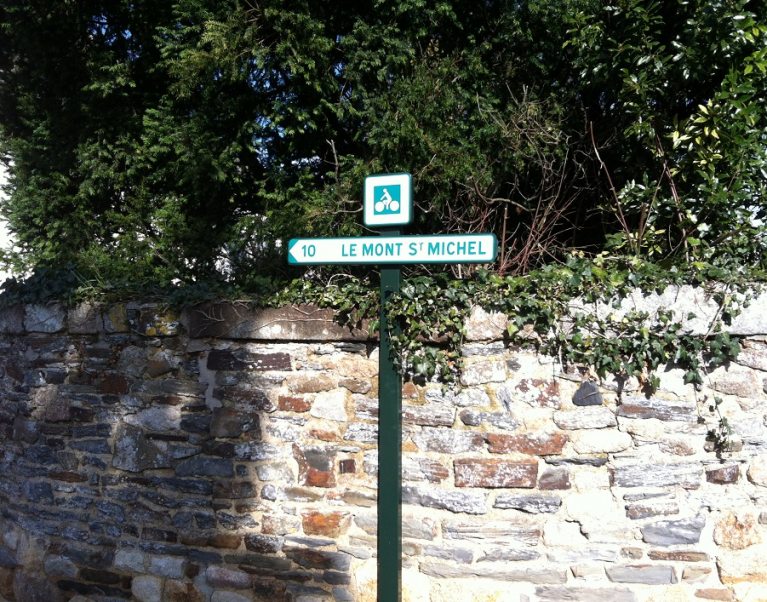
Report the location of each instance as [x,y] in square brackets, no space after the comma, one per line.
[388,200]
[445,248]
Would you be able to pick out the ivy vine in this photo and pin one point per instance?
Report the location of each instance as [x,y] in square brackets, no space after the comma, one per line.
[430,314]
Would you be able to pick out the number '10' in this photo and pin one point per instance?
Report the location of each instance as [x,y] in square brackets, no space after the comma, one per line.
[308,250]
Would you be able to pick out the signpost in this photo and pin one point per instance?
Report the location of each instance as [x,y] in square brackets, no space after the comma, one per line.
[397,250]
[388,204]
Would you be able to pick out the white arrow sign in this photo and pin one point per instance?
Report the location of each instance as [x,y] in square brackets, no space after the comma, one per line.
[445,248]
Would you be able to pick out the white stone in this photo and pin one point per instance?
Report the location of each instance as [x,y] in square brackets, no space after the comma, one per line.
[752,319]
[130,560]
[158,418]
[146,588]
[585,417]
[588,504]
[485,326]
[600,441]
[757,470]
[560,533]
[330,405]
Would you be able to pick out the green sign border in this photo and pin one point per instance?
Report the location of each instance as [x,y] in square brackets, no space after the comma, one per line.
[403,239]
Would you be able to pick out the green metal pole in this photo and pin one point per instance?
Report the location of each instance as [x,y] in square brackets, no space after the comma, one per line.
[389,454]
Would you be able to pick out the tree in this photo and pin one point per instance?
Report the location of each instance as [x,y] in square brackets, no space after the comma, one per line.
[184,141]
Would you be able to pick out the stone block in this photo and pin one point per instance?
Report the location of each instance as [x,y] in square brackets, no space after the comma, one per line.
[723,476]
[12,319]
[331,405]
[49,318]
[35,588]
[540,443]
[492,533]
[201,466]
[448,441]
[645,574]
[328,524]
[757,470]
[299,323]
[497,572]
[495,473]
[584,594]
[592,417]
[660,409]
[587,395]
[485,326]
[688,476]
[674,532]
[468,502]
[428,415]
[738,530]
[743,566]
[226,578]
[531,504]
[484,371]
[602,441]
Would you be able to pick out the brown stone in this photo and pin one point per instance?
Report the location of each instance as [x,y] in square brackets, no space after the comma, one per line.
[694,574]
[348,466]
[6,583]
[328,524]
[678,556]
[315,466]
[712,593]
[495,473]
[737,531]
[113,384]
[356,385]
[293,403]
[554,479]
[410,391]
[324,435]
[67,476]
[310,384]
[534,444]
[180,591]
[724,475]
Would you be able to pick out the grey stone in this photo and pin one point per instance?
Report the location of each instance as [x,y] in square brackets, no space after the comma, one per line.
[448,440]
[130,560]
[645,574]
[85,318]
[752,320]
[582,554]
[498,533]
[468,502]
[60,567]
[532,504]
[587,395]
[34,588]
[7,558]
[159,418]
[500,572]
[133,452]
[423,469]
[226,578]
[508,554]
[660,409]
[459,555]
[550,593]
[688,476]
[146,588]
[429,415]
[673,532]
[12,319]
[202,466]
[363,432]
[173,567]
[44,318]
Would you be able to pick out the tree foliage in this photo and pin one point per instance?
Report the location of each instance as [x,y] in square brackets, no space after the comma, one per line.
[183,141]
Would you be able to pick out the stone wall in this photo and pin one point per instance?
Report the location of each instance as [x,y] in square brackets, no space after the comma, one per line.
[228,454]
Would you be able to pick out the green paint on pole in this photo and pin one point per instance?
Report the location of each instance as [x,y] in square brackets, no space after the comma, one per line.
[389,454]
